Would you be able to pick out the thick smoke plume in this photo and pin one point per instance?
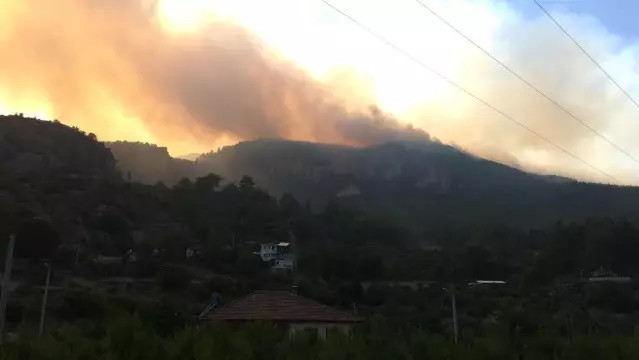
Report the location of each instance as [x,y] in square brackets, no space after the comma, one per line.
[112,68]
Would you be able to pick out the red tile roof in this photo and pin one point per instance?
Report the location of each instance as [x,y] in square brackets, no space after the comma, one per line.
[280,306]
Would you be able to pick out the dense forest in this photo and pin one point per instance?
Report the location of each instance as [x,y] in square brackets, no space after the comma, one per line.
[63,196]
[425,186]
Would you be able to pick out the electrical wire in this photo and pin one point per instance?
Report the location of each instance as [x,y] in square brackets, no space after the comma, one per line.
[484,102]
[586,53]
[506,67]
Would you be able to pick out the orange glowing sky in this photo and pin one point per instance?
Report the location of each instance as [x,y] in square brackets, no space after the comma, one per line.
[193,75]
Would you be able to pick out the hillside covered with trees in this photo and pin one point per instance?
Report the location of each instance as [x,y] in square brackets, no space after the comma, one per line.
[422,185]
[123,285]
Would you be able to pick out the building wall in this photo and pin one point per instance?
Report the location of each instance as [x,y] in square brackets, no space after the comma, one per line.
[285,262]
[268,252]
[322,328]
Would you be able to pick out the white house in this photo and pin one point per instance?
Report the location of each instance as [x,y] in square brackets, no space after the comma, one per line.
[602,275]
[268,252]
[280,254]
[284,262]
[194,251]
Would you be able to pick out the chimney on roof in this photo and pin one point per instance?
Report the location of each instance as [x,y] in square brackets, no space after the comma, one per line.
[294,289]
[215,299]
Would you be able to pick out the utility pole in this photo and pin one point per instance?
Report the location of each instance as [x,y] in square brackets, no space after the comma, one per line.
[44,299]
[77,253]
[6,280]
[454,305]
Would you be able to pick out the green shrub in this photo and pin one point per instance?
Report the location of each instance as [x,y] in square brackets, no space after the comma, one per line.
[173,277]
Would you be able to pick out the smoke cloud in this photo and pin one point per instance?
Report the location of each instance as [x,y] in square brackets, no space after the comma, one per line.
[115,69]
[110,67]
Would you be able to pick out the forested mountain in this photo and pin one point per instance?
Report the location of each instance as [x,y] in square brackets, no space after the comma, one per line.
[37,148]
[421,184]
[73,197]
[49,174]
[149,163]
[119,247]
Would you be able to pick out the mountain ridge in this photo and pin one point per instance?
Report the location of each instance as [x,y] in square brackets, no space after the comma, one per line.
[421,184]
[424,186]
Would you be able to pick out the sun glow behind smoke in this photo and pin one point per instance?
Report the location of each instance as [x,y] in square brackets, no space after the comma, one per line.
[180,16]
[29,107]
[383,77]
[323,42]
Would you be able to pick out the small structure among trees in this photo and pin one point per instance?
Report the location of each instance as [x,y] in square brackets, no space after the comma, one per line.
[281,255]
[286,309]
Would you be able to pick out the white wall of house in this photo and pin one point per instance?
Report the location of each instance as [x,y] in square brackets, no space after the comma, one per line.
[268,252]
[322,328]
[284,262]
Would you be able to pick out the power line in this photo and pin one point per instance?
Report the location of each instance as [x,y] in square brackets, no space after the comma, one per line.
[594,131]
[484,102]
[586,53]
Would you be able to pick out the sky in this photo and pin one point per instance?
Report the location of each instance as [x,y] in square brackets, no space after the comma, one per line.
[605,26]
[197,74]
[618,16]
